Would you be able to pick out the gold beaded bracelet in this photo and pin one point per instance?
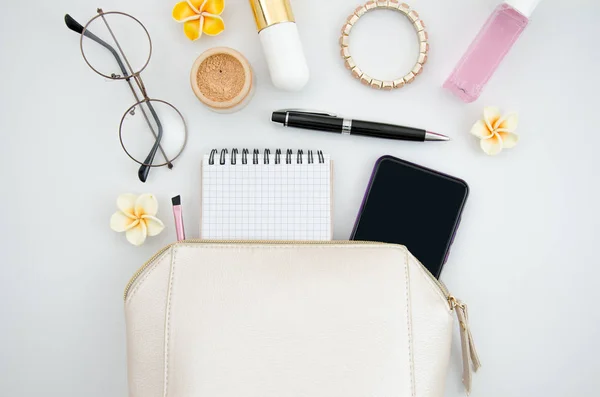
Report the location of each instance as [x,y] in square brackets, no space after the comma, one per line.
[417,23]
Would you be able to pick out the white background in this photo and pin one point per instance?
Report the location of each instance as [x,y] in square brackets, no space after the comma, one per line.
[526,255]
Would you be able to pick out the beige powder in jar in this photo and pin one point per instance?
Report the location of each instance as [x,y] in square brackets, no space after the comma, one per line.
[222,79]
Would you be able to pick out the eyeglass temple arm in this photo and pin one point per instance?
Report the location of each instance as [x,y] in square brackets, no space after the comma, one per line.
[145,168]
[78,28]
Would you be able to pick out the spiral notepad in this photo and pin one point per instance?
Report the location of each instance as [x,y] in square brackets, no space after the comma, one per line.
[265,195]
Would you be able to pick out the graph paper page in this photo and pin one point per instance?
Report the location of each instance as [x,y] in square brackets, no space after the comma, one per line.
[266,201]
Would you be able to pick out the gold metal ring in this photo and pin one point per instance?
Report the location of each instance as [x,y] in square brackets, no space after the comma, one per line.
[422,36]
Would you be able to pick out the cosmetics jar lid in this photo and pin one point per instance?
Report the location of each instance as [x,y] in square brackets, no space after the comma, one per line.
[271,12]
[222,79]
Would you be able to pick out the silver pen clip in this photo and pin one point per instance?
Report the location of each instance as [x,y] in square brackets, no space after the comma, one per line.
[305,111]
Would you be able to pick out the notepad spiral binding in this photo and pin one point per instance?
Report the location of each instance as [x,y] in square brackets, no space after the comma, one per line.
[289,155]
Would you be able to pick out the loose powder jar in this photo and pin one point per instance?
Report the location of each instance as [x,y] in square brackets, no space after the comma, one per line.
[222,79]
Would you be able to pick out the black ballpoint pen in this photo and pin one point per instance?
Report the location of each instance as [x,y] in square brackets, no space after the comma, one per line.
[331,123]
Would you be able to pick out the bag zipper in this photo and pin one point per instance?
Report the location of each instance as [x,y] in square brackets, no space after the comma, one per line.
[470,358]
[139,272]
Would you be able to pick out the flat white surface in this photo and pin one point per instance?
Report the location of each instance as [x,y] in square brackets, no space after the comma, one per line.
[526,255]
[266,201]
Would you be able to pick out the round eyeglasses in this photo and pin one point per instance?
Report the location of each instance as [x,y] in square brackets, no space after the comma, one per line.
[152,132]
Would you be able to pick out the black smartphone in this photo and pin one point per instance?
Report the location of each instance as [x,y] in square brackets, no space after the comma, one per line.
[414,206]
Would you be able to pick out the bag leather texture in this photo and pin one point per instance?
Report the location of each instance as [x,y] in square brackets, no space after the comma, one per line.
[277,320]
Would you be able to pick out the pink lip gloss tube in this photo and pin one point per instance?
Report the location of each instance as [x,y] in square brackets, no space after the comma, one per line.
[491,45]
[178,215]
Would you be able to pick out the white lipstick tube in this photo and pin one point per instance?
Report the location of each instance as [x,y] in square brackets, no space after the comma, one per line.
[281,43]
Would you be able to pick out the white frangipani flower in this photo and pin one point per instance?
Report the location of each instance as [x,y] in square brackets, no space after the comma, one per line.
[137,217]
[496,132]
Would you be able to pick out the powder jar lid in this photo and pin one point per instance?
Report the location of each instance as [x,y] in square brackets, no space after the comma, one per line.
[222,79]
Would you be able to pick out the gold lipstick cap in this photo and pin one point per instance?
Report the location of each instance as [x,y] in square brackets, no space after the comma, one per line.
[271,12]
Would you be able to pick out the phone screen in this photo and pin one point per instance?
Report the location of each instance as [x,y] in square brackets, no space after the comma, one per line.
[414,206]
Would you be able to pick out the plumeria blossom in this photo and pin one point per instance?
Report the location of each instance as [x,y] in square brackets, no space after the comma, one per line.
[200,16]
[496,132]
[137,217]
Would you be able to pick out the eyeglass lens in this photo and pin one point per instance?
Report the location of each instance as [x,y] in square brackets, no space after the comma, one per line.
[165,120]
[124,47]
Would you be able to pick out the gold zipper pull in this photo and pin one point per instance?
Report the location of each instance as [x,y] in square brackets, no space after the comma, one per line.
[469,353]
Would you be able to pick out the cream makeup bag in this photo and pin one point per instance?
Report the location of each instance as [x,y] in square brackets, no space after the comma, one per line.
[290,319]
